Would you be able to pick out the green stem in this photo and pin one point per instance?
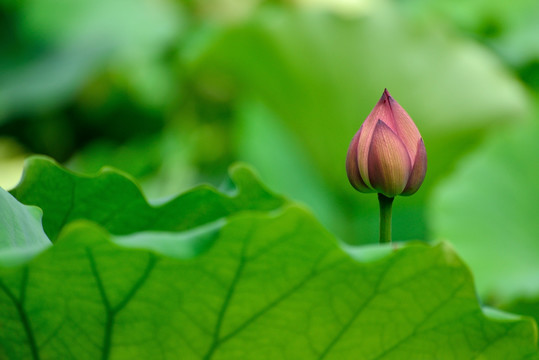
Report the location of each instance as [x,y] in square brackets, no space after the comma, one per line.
[385,218]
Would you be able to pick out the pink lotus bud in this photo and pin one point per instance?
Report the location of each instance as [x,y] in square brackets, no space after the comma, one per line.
[387,155]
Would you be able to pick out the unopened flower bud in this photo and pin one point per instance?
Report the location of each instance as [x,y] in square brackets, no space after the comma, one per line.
[387,155]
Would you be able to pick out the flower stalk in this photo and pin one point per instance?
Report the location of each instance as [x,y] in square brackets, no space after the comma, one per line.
[386,205]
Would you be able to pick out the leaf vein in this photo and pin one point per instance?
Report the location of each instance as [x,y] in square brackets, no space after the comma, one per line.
[19,305]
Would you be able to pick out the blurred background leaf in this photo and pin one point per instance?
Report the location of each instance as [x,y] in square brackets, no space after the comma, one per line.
[497,231]
[321,74]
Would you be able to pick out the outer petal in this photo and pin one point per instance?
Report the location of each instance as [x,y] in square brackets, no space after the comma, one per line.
[389,163]
[404,126]
[352,168]
[381,111]
[418,170]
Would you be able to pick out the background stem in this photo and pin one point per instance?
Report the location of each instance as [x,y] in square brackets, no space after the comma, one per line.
[386,204]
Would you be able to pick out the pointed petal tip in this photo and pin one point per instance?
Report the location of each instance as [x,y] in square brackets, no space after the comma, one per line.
[385,95]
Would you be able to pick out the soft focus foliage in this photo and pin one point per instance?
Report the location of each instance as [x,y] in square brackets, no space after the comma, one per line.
[503,257]
[173,92]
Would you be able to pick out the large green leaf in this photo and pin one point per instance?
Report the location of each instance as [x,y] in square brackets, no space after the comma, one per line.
[230,277]
[270,287]
[526,306]
[489,211]
[116,203]
[21,233]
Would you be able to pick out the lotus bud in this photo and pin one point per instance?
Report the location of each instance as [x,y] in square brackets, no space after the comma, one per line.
[387,155]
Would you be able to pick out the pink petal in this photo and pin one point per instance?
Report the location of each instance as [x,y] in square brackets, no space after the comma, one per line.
[381,111]
[352,168]
[418,171]
[388,161]
[404,126]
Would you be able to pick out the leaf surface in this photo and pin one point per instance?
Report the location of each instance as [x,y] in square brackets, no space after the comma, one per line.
[21,232]
[236,277]
[114,201]
[270,287]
